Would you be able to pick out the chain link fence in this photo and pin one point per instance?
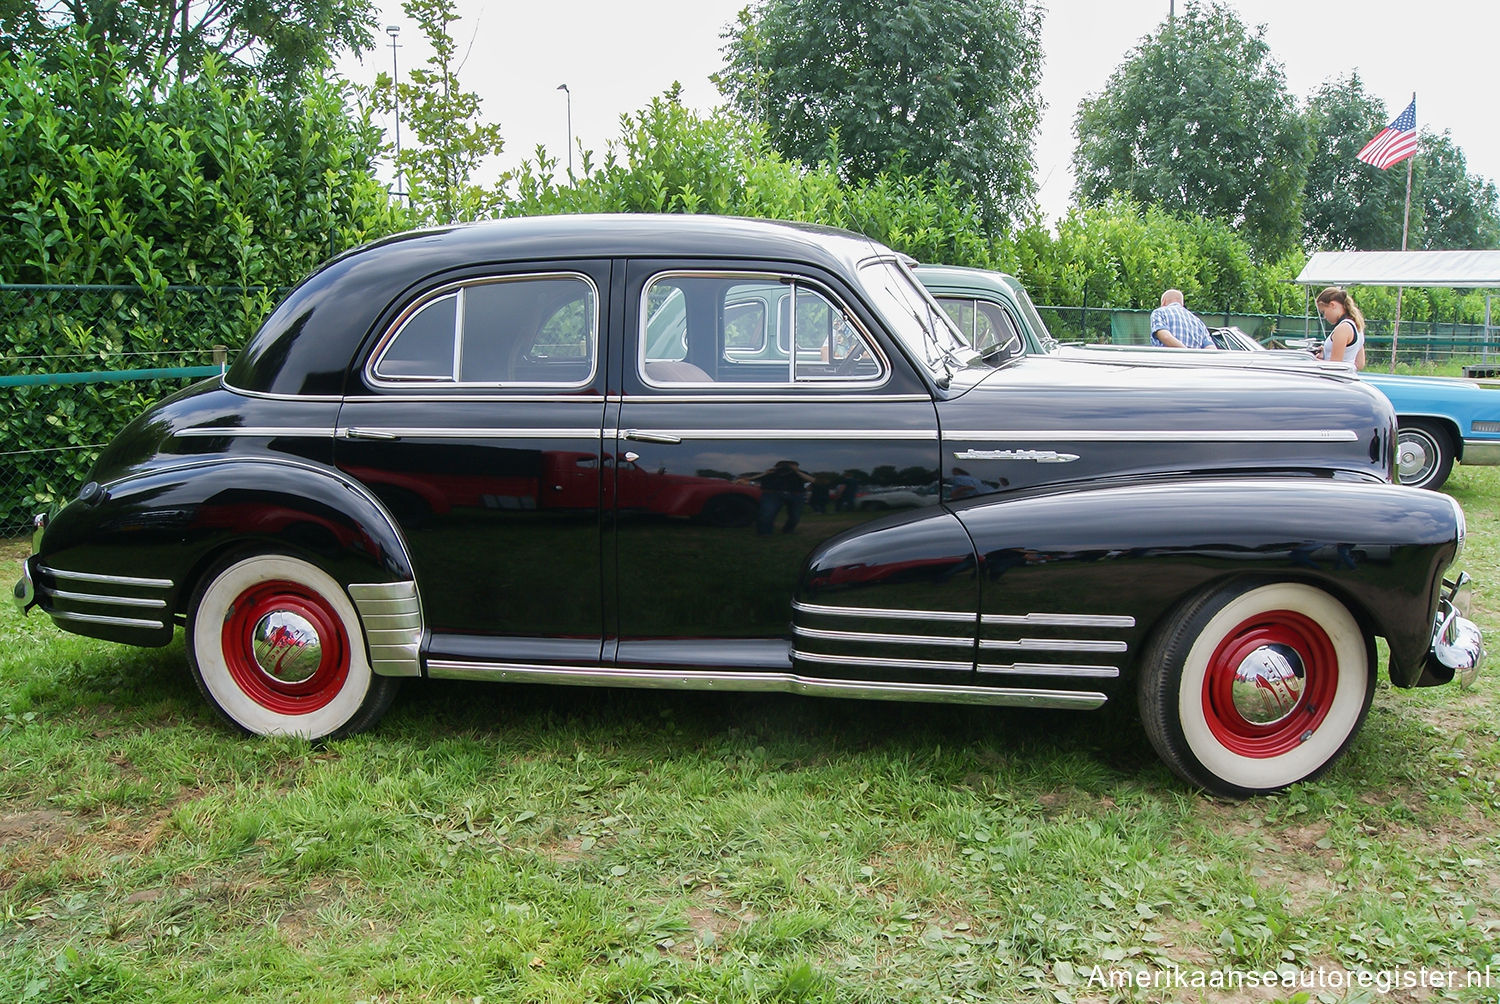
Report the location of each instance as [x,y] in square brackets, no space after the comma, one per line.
[1419,342]
[79,362]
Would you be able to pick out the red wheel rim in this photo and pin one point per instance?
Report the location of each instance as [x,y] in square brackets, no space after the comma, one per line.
[1276,630]
[301,695]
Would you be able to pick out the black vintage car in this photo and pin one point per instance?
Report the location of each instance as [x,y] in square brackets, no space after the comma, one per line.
[626,451]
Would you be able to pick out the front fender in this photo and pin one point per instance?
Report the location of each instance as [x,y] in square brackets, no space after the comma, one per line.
[1116,559]
[120,561]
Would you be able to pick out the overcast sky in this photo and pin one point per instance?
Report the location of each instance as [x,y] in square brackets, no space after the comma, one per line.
[616,56]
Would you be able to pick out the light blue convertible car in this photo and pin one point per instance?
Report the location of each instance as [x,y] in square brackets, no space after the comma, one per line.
[1442,420]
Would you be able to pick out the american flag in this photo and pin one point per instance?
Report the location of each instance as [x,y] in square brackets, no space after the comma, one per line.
[1395,142]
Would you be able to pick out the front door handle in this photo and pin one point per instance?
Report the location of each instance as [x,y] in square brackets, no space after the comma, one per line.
[652,437]
[369,434]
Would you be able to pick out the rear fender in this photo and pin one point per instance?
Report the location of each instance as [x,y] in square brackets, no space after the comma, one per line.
[152,536]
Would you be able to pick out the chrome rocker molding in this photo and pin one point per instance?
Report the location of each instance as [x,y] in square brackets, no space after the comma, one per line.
[391,614]
[1481,452]
[793,683]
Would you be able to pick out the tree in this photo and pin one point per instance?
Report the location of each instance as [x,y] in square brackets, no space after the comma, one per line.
[937,87]
[1450,207]
[1350,205]
[449,138]
[163,40]
[1198,120]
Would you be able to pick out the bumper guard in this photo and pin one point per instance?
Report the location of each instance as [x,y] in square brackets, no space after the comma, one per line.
[1457,644]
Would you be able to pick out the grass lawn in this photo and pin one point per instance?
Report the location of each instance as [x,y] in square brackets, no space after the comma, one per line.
[510,843]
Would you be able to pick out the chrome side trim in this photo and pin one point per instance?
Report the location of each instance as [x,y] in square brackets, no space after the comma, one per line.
[784,398]
[217,431]
[1056,645]
[123,601]
[1041,669]
[873,663]
[392,617]
[1155,435]
[113,580]
[1062,620]
[264,395]
[431,398]
[478,432]
[919,435]
[883,639]
[956,616]
[594,676]
[131,622]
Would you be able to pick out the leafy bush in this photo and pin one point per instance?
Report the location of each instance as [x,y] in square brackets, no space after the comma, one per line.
[211,184]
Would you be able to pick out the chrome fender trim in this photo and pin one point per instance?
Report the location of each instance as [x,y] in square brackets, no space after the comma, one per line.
[391,614]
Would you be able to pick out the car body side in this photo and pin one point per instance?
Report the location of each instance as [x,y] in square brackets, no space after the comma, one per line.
[559,529]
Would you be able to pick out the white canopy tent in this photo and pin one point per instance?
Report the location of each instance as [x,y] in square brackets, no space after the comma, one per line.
[1468,269]
[1464,269]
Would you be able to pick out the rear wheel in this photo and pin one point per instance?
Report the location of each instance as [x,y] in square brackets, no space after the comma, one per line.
[275,645]
[1246,690]
[1424,453]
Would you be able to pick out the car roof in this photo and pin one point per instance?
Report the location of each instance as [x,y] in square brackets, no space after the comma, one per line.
[306,345]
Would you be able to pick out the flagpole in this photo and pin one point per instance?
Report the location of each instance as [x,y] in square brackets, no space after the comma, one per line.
[1405,223]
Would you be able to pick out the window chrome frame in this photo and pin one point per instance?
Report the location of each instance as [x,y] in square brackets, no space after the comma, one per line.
[793,281]
[456,288]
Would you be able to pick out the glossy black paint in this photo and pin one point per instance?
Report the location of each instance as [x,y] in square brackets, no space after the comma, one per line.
[616,523]
[1135,550]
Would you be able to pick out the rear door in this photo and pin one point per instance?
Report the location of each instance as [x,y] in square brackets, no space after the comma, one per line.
[477,421]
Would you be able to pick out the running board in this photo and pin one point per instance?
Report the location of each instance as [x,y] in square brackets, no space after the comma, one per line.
[792,683]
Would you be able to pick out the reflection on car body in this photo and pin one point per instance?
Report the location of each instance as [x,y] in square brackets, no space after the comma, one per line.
[538,450]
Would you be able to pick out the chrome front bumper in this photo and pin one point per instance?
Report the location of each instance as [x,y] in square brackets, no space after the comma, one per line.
[1457,644]
[24,593]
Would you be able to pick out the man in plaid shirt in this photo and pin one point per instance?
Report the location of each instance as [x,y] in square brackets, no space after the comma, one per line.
[1174,326]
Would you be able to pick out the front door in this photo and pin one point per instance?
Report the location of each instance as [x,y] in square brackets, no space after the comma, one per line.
[759,417]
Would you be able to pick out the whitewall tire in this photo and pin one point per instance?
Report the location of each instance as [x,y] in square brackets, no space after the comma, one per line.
[1249,689]
[275,645]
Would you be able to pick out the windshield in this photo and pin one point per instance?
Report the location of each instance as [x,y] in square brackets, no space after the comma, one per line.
[915,317]
[1028,309]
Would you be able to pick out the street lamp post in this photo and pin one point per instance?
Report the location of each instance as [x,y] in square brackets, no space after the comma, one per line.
[569,94]
[393,30]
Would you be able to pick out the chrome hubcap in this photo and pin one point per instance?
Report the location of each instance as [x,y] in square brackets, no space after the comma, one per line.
[1268,684]
[1413,458]
[287,647]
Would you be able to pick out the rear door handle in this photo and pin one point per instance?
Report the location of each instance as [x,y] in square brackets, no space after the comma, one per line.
[652,437]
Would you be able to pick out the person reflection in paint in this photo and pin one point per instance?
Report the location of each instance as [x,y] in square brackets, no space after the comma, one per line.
[784,485]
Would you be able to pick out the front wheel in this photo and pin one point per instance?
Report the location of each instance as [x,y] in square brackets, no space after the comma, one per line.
[1424,453]
[1247,690]
[275,645]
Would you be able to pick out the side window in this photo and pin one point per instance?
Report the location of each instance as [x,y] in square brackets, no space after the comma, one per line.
[424,346]
[523,331]
[740,330]
[745,327]
[984,325]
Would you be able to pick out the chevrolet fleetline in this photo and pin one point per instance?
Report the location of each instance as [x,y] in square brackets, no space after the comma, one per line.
[625,451]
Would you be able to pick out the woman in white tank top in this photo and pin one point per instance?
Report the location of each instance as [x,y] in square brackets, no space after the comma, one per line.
[1346,335]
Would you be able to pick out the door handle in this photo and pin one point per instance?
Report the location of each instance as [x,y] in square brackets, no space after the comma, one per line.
[369,434]
[652,437]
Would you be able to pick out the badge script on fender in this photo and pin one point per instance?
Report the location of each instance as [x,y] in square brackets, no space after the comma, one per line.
[1036,456]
